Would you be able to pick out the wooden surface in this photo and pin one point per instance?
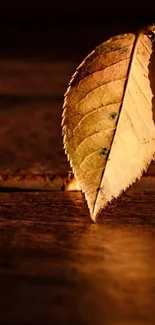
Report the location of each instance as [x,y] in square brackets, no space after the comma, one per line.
[31,98]
[56,266]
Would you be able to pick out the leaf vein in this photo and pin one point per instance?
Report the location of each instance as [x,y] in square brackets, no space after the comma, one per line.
[145,45]
[109,130]
[95,110]
[145,68]
[144,95]
[97,88]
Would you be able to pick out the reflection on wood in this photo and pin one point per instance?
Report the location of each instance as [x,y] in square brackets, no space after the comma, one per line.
[58,267]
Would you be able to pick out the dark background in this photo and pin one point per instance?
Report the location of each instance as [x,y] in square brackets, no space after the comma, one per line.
[66,29]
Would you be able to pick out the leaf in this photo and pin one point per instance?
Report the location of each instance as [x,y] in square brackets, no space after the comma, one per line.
[108,128]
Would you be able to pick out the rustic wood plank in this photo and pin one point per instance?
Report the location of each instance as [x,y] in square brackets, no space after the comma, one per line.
[56,206]
[35,78]
[30,117]
[30,136]
[57,267]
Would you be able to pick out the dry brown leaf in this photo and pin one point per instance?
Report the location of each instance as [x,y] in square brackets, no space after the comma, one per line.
[108,128]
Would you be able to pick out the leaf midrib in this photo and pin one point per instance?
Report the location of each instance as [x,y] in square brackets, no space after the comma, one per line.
[123,99]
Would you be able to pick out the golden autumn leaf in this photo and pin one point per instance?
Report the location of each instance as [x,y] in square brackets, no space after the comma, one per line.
[108,128]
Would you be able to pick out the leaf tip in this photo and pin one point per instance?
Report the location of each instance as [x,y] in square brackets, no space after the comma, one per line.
[94,217]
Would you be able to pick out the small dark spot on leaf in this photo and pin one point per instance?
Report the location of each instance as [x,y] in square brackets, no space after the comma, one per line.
[104,151]
[113,115]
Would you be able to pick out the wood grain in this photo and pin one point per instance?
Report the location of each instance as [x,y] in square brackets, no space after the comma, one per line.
[35,78]
[57,267]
